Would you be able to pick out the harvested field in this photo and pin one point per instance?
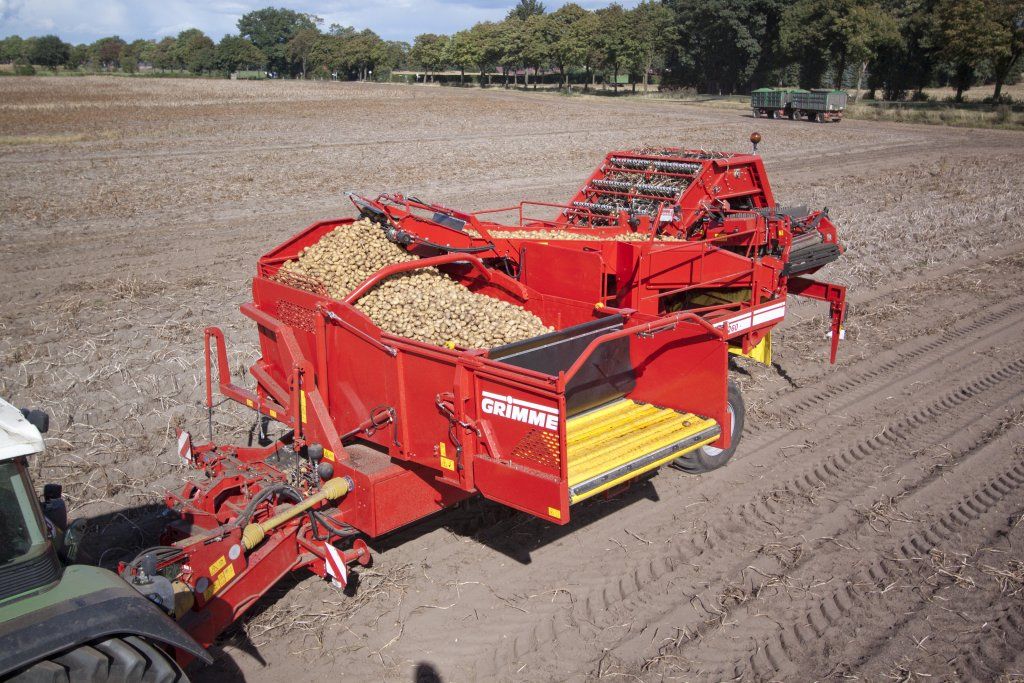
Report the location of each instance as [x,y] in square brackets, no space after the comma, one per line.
[870,526]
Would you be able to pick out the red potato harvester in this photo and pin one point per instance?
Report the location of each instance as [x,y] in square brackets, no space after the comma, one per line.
[664,263]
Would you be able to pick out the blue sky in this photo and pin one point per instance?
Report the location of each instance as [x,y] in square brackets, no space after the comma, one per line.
[84,22]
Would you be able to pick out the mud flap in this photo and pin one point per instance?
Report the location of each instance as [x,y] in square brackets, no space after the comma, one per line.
[539,494]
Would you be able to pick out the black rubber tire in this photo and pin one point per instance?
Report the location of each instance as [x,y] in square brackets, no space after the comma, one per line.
[114,660]
[707,458]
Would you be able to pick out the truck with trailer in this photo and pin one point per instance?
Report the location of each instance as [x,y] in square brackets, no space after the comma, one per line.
[664,265]
[819,104]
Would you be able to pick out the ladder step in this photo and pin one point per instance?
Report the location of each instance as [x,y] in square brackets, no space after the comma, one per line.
[623,439]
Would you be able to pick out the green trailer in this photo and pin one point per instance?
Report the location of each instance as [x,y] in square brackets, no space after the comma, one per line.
[820,104]
[772,102]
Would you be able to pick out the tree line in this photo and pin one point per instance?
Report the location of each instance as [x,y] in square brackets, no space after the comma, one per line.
[717,46]
[282,42]
[896,46]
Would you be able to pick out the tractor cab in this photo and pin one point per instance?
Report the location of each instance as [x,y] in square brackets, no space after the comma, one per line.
[28,557]
[75,622]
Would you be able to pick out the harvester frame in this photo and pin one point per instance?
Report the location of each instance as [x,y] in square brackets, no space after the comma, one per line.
[650,287]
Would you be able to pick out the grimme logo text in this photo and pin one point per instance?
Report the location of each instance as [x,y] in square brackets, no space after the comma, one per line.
[520,411]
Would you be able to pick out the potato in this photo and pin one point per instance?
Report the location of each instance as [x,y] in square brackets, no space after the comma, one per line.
[425,305]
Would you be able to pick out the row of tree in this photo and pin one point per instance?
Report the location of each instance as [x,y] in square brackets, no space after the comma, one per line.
[280,41]
[720,46]
[729,46]
[897,46]
[606,42]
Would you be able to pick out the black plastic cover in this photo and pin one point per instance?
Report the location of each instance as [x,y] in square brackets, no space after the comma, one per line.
[449,221]
[810,258]
[608,373]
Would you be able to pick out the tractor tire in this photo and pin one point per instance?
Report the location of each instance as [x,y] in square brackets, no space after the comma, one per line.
[114,660]
[707,458]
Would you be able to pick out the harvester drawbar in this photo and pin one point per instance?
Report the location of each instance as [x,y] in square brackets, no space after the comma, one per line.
[662,265]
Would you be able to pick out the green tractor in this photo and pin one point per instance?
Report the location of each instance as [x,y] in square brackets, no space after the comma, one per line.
[68,622]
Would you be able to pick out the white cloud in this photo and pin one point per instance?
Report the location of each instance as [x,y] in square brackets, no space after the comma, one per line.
[79,22]
[9,9]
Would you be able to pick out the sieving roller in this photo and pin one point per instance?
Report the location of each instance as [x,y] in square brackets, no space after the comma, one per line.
[665,166]
[626,186]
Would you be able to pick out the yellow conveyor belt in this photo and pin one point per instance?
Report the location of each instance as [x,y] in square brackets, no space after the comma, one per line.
[623,439]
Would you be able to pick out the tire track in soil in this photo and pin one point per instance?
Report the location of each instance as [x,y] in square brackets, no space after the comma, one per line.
[1005,641]
[790,512]
[854,388]
[977,642]
[995,635]
[632,590]
[817,627]
[994,645]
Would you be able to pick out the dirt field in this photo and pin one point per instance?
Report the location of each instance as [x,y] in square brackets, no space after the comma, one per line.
[871,525]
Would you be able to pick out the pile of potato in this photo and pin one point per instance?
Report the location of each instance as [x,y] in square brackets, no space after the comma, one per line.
[425,305]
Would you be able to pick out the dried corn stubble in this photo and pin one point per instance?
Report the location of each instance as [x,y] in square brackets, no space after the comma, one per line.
[425,305]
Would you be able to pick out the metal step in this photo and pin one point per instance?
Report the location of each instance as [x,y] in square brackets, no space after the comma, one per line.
[623,439]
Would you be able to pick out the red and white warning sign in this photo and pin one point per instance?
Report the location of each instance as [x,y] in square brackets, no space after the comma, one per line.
[185,447]
[334,563]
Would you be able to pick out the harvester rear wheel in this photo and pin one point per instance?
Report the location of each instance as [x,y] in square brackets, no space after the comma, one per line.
[707,458]
[125,660]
